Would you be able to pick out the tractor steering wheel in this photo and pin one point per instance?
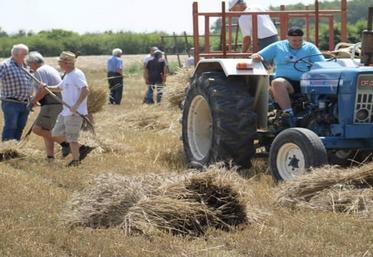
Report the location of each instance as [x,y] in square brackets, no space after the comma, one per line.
[309,64]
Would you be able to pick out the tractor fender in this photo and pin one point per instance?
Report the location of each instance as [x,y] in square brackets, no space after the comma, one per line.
[256,77]
[229,67]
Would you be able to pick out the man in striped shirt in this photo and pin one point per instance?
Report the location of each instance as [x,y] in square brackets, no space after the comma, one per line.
[15,93]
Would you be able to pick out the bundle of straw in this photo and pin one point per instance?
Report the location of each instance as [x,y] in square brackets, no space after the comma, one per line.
[330,188]
[96,99]
[9,150]
[183,204]
[106,202]
[177,84]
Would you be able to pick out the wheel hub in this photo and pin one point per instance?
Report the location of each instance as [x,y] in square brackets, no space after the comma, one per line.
[290,161]
[199,128]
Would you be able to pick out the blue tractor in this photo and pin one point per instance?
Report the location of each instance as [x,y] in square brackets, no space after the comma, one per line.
[226,116]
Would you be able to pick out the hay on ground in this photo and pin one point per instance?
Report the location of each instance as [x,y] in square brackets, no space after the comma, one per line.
[152,117]
[174,92]
[9,150]
[183,204]
[96,100]
[331,189]
[105,203]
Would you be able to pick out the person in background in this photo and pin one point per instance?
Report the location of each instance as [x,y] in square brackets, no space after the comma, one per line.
[189,62]
[49,106]
[267,32]
[283,54]
[15,93]
[155,75]
[115,76]
[74,89]
[150,56]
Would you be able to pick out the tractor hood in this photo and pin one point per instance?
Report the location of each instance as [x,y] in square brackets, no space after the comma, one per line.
[229,67]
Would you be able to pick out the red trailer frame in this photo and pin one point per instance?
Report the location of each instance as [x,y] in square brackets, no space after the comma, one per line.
[283,16]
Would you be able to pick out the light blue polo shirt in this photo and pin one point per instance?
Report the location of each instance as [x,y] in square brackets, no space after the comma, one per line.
[283,57]
[114,63]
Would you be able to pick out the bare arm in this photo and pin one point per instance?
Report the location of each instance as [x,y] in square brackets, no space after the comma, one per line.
[246,44]
[84,92]
[146,76]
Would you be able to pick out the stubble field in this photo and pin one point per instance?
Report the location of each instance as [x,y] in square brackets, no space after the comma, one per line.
[134,139]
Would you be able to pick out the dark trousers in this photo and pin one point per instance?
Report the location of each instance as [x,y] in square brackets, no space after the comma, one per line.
[116,87]
[15,118]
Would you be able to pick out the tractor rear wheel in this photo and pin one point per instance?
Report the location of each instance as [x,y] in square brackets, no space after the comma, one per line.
[218,122]
[295,150]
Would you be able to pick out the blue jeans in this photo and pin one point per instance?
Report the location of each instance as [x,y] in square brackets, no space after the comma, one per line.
[149,94]
[15,118]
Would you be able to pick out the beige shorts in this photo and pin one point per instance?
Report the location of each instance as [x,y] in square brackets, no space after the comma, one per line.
[69,127]
[48,115]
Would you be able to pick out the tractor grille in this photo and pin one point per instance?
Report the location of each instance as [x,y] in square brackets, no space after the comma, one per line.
[364,99]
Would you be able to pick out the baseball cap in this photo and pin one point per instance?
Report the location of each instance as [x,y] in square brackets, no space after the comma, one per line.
[295,32]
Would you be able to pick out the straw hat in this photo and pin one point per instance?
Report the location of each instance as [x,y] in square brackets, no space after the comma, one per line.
[67,56]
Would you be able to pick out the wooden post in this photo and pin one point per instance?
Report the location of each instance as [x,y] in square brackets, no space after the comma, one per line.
[207,34]
[307,25]
[230,33]
[283,23]
[223,27]
[255,42]
[317,23]
[331,33]
[176,51]
[195,32]
[186,43]
[344,21]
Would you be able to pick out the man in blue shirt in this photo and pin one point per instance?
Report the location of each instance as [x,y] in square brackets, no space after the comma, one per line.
[115,76]
[283,54]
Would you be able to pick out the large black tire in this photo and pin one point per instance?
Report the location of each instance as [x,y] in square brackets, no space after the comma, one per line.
[218,122]
[294,151]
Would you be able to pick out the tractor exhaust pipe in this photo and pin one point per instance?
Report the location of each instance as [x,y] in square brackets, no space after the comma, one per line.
[367,42]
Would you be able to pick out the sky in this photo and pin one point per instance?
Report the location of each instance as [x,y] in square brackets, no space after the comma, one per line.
[84,16]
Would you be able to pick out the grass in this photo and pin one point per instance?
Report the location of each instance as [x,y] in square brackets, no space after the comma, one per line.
[33,194]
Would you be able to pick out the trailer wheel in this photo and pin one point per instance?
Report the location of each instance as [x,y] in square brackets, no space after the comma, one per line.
[294,151]
[218,122]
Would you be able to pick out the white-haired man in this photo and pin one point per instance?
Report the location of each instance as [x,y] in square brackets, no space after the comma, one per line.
[15,93]
[115,76]
[50,107]
[74,89]
[267,32]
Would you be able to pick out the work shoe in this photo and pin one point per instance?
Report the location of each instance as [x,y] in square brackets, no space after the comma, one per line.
[50,159]
[84,150]
[289,120]
[65,150]
[73,163]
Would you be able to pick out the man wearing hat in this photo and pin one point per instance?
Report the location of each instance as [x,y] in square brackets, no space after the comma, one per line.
[283,54]
[74,89]
[267,32]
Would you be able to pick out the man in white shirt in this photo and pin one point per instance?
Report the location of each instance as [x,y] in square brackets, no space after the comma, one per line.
[74,89]
[267,32]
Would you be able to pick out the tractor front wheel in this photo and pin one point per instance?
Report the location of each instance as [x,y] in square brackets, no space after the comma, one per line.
[294,151]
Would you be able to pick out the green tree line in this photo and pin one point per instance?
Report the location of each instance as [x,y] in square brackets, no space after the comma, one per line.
[51,43]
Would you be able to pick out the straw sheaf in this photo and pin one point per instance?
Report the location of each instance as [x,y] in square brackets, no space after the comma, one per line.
[96,100]
[175,91]
[150,118]
[13,149]
[330,188]
[185,204]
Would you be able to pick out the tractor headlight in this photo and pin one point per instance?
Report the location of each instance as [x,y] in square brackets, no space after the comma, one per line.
[362,114]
